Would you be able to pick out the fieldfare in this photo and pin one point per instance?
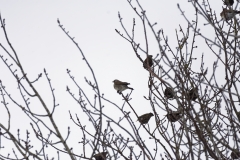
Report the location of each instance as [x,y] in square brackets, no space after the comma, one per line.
[227,14]
[169,93]
[121,86]
[193,94]
[228,2]
[143,119]
[100,156]
[174,116]
[148,62]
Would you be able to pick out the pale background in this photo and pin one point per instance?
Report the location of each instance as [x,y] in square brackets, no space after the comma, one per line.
[34,33]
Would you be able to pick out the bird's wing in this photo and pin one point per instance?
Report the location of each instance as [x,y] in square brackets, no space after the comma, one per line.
[124,83]
[117,82]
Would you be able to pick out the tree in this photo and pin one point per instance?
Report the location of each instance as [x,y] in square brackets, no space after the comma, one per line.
[195,113]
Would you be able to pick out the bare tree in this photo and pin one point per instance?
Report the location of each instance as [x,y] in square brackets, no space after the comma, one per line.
[201,119]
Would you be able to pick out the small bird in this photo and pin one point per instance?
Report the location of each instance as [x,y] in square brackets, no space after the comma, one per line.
[121,86]
[174,116]
[227,14]
[143,119]
[193,94]
[100,156]
[228,2]
[235,154]
[169,93]
[148,62]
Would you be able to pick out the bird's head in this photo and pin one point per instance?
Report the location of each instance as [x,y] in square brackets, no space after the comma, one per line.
[115,81]
[149,56]
[150,114]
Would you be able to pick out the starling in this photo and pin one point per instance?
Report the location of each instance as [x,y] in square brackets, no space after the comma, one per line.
[100,156]
[235,154]
[227,14]
[148,62]
[193,94]
[120,86]
[169,93]
[174,116]
[228,2]
[143,119]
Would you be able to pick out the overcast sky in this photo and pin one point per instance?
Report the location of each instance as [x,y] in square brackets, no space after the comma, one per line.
[40,43]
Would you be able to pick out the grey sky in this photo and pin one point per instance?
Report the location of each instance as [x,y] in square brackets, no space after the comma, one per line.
[34,33]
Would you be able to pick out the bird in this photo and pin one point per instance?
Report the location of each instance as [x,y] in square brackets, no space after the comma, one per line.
[174,116]
[235,154]
[143,119]
[193,94]
[227,14]
[228,2]
[169,93]
[148,62]
[121,86]
[100,156]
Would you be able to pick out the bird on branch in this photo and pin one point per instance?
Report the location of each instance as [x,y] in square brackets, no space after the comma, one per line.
[100,156]
[227,14]
[120,86]
[148,62]
[143,119]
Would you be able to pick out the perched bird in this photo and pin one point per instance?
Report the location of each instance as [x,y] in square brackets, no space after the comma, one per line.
[148,62]
[121,86]
[174,116]
[143,119]
[193,94]
[227,14]
[235,154]
[169,93]
[228,2]
[100,156]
